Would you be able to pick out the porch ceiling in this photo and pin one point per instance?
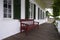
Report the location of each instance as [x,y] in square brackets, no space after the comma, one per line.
[48,3]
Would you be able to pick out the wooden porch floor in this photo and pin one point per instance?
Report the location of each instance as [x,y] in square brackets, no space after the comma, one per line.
[46,31]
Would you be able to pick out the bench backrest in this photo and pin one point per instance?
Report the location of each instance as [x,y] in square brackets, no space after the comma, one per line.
[27,21]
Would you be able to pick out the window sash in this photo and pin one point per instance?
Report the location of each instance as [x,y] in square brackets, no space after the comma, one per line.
[7,9]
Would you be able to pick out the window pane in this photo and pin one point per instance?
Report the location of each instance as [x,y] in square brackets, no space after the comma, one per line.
[5,1]
[10,11]
[9,2]
[9,15]
[5,5]
[5,10]
[9,6]
[5,15]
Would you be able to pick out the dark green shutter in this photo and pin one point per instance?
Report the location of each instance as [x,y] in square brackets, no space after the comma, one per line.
[17,9]
[34,11]
[38,13]
[27,5]
[41,14]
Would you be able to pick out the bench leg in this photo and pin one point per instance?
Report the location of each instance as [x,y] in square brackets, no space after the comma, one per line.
[38,26]
[21,30]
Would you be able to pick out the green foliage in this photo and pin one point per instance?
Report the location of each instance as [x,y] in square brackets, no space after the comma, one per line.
[57,4]
[55,12]
[56,8]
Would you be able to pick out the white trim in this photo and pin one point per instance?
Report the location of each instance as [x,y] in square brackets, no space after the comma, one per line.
[12,13]
[22,9]
[36,12]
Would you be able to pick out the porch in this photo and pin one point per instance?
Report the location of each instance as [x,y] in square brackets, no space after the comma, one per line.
[22,9]
[46,31]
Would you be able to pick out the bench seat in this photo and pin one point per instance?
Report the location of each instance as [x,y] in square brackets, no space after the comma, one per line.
[28,24]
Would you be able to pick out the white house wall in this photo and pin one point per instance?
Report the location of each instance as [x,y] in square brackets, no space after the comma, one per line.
[1,9]
[8,27]
[39,20]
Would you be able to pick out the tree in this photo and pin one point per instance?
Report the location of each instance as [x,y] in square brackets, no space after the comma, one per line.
[56,9]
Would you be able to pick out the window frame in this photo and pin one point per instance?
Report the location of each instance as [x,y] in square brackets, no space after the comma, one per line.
[8,9]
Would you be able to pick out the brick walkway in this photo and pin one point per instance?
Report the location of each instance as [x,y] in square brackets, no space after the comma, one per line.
[46,31]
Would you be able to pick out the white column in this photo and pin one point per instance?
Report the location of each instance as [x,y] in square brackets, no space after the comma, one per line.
[22,9]
[36,12]
[1,9]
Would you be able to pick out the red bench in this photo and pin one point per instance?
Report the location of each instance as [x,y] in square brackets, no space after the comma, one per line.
[28,24]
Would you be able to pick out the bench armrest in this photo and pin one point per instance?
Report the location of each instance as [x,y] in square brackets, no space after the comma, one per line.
[23,24]
[36,22]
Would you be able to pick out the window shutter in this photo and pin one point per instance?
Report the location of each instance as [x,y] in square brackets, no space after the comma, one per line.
[27,5]
[17,9]
[34,11]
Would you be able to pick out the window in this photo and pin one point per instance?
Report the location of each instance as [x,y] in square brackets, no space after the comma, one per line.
[7,8]
[43,15]
[40,14]
[31,10]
